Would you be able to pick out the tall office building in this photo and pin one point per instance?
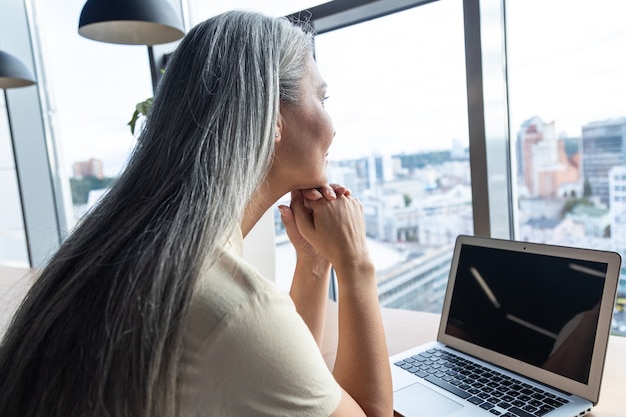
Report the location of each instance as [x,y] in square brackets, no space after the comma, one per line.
[90,168]
[617,198]
[548,166]
[603,147]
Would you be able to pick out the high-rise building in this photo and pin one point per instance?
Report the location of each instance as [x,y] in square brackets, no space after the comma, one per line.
[548,166]
[617,203]
[90,168]
[603,147]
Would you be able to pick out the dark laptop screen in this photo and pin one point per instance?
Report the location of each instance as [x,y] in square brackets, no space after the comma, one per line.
[539,309]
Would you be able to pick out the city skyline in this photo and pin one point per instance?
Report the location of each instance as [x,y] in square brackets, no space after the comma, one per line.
[452,145]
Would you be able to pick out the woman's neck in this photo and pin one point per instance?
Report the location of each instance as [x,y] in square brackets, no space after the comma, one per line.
[260,202]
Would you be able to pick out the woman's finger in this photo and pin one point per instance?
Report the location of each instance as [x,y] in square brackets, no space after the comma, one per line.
[301,214]
[340,189]
[328,191]
[312,194]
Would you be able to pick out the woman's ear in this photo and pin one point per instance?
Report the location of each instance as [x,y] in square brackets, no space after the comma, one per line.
[278,132]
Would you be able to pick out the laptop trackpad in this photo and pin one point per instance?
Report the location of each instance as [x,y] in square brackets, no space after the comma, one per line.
[417,400]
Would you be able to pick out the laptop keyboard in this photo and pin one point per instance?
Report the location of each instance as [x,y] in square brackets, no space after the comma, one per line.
[499,393]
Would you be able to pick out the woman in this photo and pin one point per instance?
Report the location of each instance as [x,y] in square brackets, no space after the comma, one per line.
[147,309]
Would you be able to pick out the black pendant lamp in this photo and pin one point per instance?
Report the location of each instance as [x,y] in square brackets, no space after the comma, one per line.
[130,22]
[13,72]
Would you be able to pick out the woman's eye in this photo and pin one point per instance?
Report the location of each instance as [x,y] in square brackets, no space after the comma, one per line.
[324,99]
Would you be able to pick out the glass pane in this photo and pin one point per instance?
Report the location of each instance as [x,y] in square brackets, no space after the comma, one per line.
[566,86]
[397,96]
[6,147]
[91,92]
[13,250]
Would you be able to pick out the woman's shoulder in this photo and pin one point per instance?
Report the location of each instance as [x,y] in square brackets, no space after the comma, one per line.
[230,281]
[228,285]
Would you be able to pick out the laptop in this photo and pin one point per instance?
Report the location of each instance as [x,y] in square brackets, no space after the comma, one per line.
[523,333]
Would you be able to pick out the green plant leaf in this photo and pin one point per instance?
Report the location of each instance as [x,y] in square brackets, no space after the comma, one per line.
[133,121]
[140,109]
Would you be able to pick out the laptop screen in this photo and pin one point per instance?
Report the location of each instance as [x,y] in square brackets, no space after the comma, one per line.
[542,310]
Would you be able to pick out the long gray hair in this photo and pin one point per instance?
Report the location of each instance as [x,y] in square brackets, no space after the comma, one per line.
[99,334]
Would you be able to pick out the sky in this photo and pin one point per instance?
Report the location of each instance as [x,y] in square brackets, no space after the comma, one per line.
[567,61]
[395,84]
[392,88]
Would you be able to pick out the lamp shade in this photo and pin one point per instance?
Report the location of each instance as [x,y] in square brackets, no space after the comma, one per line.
[13,72]
[130,22]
